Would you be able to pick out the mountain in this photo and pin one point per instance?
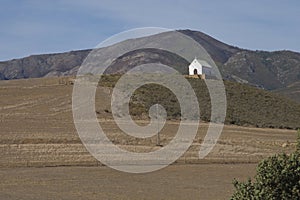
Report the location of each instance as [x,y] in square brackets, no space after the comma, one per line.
[277,71]
[271,70]
[37,66]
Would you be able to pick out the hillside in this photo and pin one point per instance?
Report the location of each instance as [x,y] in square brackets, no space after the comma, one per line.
[246,105]
[47,65]
[269,70]
[292,91]
[275,71]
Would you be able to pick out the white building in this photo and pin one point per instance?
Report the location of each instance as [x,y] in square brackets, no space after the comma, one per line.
[200,67]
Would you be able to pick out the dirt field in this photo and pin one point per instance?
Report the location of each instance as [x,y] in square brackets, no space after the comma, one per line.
[42,157]
[206,181]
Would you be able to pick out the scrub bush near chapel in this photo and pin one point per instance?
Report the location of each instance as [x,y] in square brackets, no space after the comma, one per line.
[278,177]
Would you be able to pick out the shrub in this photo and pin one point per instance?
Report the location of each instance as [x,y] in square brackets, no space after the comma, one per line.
[278,177]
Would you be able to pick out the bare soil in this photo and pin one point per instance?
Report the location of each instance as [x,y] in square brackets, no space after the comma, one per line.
[205,181]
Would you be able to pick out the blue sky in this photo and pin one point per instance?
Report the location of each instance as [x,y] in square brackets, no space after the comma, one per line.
[39,26]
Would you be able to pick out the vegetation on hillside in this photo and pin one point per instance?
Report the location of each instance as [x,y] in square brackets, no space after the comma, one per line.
[246,106]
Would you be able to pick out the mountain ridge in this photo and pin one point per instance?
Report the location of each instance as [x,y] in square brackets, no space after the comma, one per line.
[275,71]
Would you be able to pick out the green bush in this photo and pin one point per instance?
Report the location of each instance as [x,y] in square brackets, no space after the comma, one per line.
[278,177]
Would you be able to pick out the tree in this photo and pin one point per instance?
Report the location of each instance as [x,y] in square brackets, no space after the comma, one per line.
[278,177]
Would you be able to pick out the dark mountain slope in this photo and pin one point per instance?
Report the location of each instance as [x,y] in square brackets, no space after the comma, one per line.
[144,56]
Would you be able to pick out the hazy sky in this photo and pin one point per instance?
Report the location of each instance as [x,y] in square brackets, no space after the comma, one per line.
[39,26]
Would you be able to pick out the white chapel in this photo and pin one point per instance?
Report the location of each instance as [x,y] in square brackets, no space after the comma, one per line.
[200,67]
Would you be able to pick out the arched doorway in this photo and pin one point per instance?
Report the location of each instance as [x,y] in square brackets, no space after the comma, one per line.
[195,72]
